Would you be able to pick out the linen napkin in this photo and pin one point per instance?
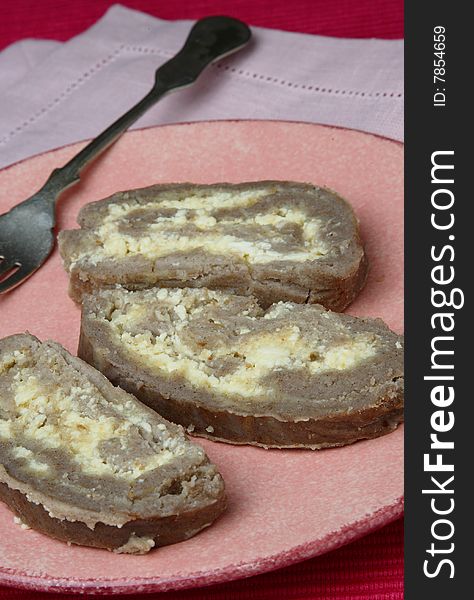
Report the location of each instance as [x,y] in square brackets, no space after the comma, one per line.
[53,93]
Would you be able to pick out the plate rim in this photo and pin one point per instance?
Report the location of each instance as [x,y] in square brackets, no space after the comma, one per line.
[350,533]
[205,121]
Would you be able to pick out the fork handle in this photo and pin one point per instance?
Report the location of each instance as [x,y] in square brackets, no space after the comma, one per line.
[210,39]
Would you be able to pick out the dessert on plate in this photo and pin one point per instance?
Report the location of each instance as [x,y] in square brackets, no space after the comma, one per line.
[87,463]
[274,240]
[291,375]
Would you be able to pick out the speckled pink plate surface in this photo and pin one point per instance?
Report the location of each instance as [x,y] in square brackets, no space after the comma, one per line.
[284,506]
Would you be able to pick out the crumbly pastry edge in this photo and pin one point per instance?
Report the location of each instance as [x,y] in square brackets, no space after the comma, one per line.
[265,431]
[86,527]
[136,536]
[333,292]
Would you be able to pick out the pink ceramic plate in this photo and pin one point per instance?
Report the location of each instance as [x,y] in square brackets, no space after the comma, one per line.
[284,506]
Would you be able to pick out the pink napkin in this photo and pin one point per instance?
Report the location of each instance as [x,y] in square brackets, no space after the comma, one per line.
[55,93]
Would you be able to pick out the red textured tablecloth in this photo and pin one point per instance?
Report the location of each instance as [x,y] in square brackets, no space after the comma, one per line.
[61,19]
[372,567]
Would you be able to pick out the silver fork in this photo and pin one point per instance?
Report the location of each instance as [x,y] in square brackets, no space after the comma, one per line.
[27,230]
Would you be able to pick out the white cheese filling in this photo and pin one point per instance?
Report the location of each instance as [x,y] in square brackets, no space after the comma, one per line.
[54,420]
[213,235]
[261,353]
